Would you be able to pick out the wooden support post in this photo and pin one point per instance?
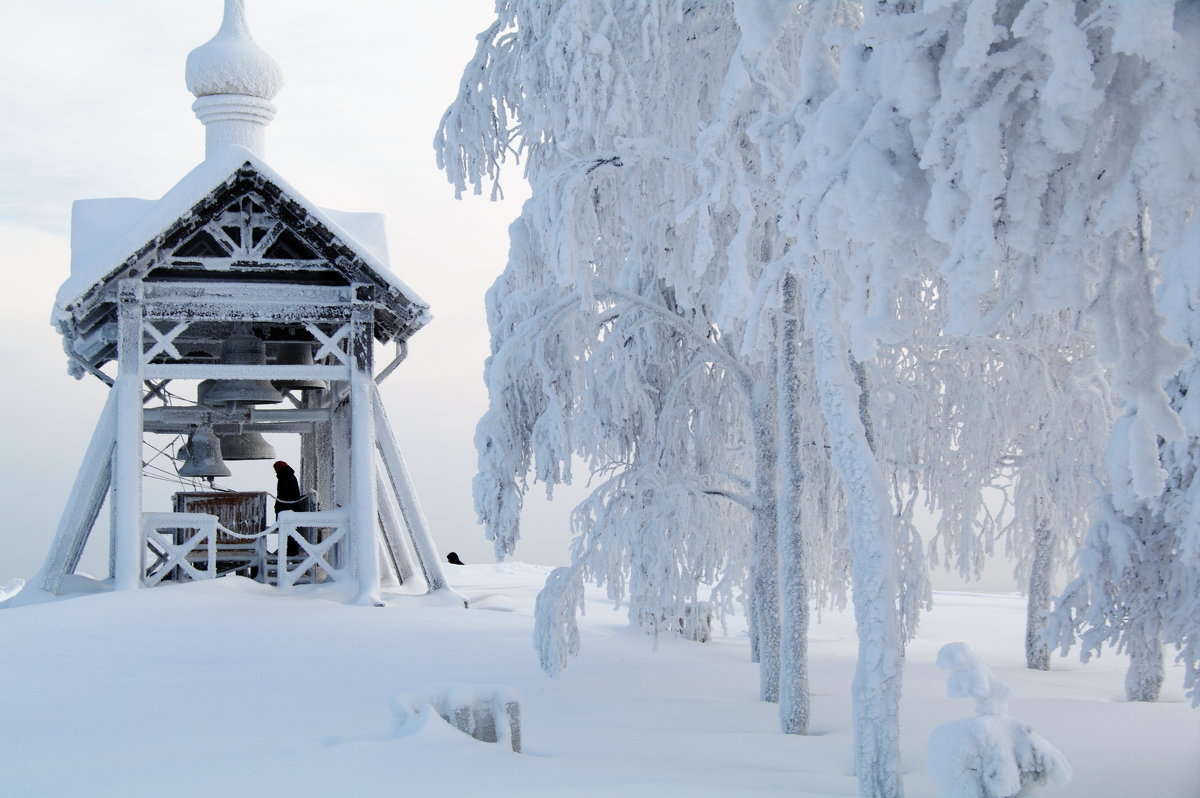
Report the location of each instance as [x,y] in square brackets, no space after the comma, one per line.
[363,504]
[317,455]
[127,460]
[393,531]
[406,497]
[83,505]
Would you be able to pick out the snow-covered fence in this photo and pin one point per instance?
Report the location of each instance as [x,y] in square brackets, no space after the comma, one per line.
[318,552]
[181,556]
[990,755]
[489,713]
[193,546]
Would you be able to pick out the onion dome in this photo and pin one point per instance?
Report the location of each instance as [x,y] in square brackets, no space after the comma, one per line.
[231,62]
[234,81]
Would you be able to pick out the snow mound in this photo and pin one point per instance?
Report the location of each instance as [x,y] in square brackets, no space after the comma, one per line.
[990,755]
[11,588]
[489,713]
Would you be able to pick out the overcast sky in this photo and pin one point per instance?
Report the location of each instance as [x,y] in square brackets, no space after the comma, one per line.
[93,104]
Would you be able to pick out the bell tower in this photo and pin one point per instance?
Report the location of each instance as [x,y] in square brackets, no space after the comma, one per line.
[230,312]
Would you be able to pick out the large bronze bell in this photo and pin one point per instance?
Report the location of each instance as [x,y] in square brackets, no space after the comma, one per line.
[296,353]
[246,446]
[243,349]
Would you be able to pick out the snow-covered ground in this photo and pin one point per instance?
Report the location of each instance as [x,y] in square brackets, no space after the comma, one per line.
[231,688]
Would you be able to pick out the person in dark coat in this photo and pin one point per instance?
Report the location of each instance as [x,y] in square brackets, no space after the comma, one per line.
[287,497]
[287,491]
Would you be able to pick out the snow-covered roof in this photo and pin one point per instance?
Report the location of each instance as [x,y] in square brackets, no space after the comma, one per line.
[107,233]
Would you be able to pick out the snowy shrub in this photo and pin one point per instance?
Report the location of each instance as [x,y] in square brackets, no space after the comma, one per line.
[990,755]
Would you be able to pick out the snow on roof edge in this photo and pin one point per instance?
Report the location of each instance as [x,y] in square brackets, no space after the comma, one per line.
[161,214]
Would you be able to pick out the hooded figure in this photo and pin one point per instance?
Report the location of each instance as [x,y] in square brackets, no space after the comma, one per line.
[287,497]
[287,492]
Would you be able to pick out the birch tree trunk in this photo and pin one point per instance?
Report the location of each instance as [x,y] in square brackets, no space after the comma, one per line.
[1144,679]
[764,561]
[794,708]
[879,670]
[1037,652]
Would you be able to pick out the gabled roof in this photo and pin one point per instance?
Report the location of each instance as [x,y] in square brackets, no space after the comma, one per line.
[108,236]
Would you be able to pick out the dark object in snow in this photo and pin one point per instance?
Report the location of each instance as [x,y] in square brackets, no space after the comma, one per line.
[452,558]
[489,713]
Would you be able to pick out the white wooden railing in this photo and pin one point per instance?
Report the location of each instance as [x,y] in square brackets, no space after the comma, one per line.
[320,559]
[170,553]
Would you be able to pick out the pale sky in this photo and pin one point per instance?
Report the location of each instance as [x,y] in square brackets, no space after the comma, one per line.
[93,104]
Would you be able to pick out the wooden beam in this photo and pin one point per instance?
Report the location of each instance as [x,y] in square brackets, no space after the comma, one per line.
[192,414]
[127,459]
[224,371]
[83,504]
[269,311]
[363,501]
[406,498]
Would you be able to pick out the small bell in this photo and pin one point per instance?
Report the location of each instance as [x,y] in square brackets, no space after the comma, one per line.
[204,456]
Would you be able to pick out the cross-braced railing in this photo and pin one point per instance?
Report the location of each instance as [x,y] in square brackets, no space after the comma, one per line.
[317,556]
[195,546]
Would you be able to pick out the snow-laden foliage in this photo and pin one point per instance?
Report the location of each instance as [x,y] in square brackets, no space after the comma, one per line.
[1138,573]
[792,273]
[556,630]
[602,350]
[990,755]
[1061,132]
[1177,508]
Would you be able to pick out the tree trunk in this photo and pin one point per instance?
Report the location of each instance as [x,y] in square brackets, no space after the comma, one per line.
[764,560]
[1041,577]
[879,671]
[793,566]
[1144,679]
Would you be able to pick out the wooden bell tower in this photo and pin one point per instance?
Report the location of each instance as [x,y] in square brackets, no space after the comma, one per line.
[211,291]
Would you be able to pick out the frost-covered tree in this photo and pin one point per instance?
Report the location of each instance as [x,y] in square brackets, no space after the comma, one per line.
[1061,132]
[1133,192]
[996,142]
[1139,572]
[800,268]
[634,327]
[603,346]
